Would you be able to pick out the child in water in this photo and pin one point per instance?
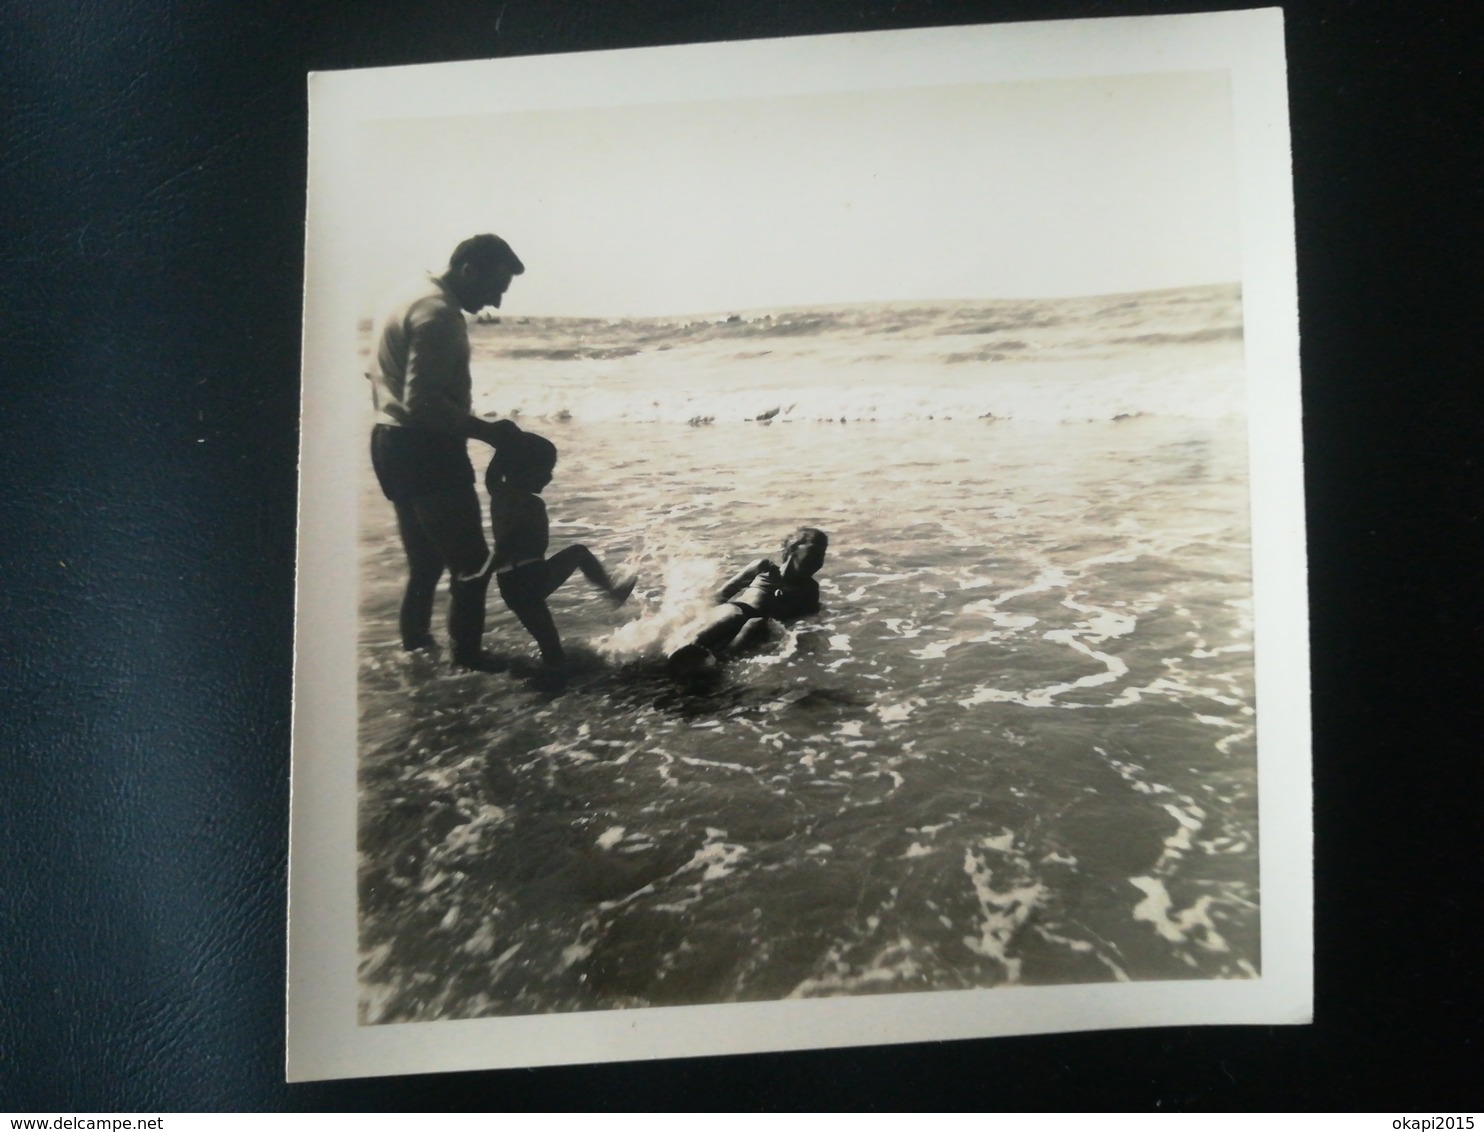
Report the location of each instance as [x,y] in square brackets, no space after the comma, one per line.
[760,590]
[521,468]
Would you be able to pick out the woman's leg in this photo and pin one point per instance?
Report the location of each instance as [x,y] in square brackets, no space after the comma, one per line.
[725,622]
[699,654]
[753,636]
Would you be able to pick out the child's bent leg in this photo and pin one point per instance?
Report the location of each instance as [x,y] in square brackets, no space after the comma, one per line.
[559,567]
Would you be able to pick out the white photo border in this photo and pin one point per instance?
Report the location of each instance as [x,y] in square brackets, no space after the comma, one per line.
[324,1037]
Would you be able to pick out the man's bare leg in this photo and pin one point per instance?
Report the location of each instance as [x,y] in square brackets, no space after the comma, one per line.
[424,569]
[453,523]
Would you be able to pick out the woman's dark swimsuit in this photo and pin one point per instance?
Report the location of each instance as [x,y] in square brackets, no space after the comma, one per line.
[769,595]
[766,595]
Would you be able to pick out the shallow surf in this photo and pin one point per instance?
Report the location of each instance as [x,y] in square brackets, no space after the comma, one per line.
[1015,747]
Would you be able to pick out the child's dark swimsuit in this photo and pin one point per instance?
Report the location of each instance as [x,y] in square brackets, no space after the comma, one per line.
[521,528]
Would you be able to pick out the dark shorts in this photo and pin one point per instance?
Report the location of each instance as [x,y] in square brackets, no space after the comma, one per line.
[410,462]
[523,585]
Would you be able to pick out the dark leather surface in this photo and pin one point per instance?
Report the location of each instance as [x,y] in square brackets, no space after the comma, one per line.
[153,192]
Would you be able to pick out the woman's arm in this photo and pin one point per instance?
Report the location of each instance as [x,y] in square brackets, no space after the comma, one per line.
[738,581]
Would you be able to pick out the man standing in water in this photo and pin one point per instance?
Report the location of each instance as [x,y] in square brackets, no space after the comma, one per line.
[421,388]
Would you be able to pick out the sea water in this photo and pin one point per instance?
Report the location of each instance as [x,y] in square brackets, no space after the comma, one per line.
[1016,746]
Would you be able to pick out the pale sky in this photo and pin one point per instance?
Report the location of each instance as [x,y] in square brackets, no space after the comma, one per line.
[1009,190]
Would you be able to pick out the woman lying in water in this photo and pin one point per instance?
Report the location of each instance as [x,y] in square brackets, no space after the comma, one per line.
[759,591]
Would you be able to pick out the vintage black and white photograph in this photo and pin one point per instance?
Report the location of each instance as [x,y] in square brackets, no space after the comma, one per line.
[793,536]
